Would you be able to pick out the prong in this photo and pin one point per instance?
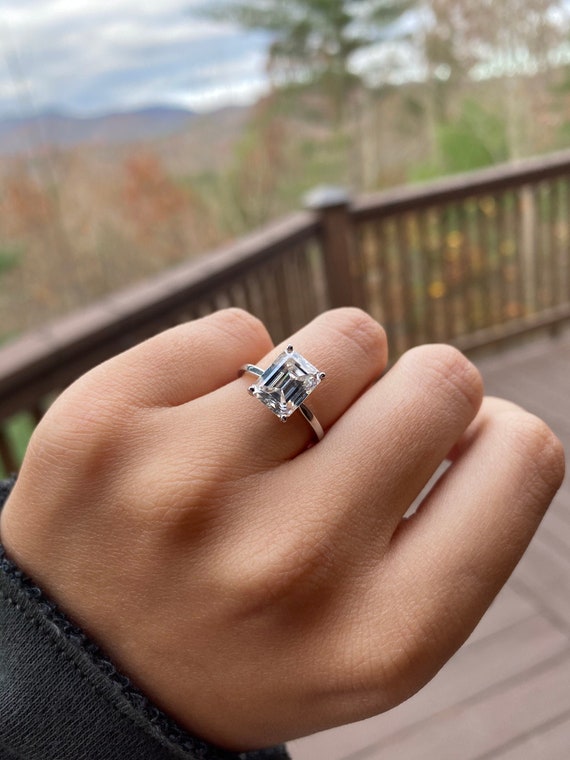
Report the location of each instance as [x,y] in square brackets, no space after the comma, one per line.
[251,389]
[322,375]
[290,349]
[283,418]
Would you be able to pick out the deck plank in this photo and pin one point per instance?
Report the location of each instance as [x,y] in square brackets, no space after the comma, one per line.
[486,726]
[544,575]
[476,669]
[550,743]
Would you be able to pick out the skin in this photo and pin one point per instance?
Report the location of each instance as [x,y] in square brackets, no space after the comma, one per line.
[256,589]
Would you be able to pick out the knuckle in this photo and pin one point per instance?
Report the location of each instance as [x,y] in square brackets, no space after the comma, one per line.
[241,325]
[448,368]
[359,327]
[278,573]
[540,450]
[380,677]
[81,429]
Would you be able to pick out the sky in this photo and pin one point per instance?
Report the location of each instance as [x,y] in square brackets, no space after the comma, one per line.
[86,57]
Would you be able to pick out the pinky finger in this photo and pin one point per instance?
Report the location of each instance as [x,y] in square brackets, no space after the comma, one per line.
[451,559]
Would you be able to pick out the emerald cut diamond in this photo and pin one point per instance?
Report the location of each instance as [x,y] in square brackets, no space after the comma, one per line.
[285,385]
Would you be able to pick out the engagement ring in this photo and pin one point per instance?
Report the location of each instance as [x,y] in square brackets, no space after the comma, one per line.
[284,386]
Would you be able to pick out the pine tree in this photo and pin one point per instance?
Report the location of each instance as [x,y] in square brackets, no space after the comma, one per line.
[315,40]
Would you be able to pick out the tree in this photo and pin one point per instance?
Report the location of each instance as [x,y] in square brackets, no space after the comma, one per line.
[315,40]
[501,38]
[507,39]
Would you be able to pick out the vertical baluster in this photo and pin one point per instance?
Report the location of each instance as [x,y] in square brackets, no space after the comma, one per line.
[417,279]
[358,267]
[500,270]
[252,293]
[308,285]
[464,274]
[563,295]
[555,259]
[488,257]
[205,306]
[285,294]
[314,262]
[392,287]
[428,311]
[508,248]
[236,293]
[272,316]
[493,237]
[520,241]
[538,255]
[405,278]
[303,285]
[564,234]
[221,299]
[528,241]
[563,244]
[383,275]
[477,312]
[303,289]
[438,288]
[452,271]
[367,239]
[542,247]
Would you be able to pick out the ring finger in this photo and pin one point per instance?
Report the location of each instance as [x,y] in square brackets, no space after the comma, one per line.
[345,344]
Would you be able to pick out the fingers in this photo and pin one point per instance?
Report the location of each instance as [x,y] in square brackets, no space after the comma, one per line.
[346,344]
[451,559]
[185,362]
[379,456]
[346,496]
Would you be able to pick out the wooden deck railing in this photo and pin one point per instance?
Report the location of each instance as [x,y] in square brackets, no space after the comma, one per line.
[470,260]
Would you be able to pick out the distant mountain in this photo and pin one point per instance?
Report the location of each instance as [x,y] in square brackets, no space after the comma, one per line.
[57,130]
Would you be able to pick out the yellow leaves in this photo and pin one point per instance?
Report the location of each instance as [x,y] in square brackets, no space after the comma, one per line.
[437,289]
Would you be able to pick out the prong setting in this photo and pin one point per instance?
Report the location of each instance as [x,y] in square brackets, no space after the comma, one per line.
[284,386]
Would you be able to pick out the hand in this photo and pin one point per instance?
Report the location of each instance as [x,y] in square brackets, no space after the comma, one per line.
[255,589]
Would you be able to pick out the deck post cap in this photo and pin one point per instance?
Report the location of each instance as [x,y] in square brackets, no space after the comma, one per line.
[326,196]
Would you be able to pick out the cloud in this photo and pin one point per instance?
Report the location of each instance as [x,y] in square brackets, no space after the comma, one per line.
[87,56]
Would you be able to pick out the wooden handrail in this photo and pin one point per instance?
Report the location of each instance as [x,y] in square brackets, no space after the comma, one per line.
[461,186]
[53,356]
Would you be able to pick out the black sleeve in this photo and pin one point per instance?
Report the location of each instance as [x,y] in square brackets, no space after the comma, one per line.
[61,698]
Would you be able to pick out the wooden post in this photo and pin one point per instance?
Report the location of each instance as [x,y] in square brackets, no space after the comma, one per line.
[333,207]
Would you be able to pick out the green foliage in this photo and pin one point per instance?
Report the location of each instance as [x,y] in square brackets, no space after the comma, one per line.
[272,168]
[18,430]
[564,134]
[477,138]
[10,256]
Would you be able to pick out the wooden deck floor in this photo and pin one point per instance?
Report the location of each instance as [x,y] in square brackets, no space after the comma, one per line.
[506,694]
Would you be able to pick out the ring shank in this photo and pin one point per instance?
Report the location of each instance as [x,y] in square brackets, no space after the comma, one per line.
[305,411]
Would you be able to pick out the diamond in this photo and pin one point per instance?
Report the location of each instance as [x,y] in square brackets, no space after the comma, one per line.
[285,385]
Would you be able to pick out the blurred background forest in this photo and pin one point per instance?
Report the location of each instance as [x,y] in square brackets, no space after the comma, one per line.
[367,94]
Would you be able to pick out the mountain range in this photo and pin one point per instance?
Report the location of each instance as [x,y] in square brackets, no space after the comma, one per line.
[51,129]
